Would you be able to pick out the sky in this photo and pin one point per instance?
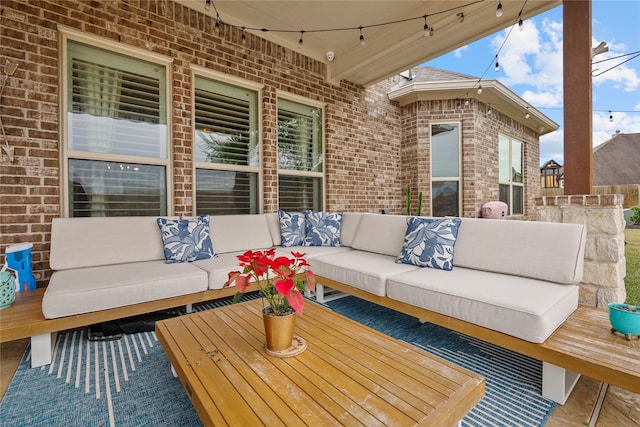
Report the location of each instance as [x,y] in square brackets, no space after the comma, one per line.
[531,66]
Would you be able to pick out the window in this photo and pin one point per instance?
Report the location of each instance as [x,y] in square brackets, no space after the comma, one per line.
[226,148]
[115,155]
[300,157]
[445,169]
[511,174]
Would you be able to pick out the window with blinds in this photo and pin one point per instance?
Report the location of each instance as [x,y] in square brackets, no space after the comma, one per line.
[117,142]
[300,156]
[227,148]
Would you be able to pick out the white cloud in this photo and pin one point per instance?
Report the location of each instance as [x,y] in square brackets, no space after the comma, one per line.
[552,147]
[459,51]
[603,129]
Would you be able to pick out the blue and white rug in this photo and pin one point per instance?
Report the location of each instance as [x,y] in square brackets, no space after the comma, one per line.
[129,382]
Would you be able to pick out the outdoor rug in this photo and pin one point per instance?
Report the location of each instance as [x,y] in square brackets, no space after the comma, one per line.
[129,382]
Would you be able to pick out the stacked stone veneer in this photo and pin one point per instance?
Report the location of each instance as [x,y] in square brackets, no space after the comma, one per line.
[604,260]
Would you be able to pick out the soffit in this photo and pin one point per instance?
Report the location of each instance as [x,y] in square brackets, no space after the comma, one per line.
[389,49]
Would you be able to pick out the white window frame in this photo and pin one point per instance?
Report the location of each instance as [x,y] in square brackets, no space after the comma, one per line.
[289,172]
[203,72]
[458,178]
[66,35]
[510,183]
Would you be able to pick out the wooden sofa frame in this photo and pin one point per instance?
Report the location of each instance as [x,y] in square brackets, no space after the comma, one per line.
[583,345]
[24,318]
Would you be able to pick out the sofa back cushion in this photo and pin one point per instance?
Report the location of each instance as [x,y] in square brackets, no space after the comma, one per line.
[89,242]
[234,233]
[540,250]
[379,233]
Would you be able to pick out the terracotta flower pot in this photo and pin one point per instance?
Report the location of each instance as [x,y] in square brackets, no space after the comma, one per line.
[278,329]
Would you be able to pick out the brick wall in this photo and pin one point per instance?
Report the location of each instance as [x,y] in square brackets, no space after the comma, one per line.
[479,152]
[362,131]
[373,148]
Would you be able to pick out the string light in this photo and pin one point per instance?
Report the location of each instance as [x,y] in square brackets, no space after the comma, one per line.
[428,31]
[610,116]
[497,67]
[520,24]
[461,16]
[479,89]
[527,115]
[216,28]
[489,110]
[499,10]
[362,42]
[207,5]
[300,41]
[244,38]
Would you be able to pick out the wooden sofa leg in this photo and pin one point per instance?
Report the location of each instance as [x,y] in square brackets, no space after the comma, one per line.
[42,349]
[557,382]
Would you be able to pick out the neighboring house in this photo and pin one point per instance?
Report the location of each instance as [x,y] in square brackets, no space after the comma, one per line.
[119,109]
[617,161]
[551,175]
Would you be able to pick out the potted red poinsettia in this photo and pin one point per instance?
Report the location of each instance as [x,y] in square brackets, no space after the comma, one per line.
[281,281]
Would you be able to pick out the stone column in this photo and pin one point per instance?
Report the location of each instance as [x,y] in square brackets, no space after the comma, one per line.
[604,260]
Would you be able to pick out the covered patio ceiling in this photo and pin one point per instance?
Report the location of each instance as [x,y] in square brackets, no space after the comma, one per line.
[392,30]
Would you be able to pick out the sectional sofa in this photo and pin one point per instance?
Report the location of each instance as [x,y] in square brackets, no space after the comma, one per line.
[519,278]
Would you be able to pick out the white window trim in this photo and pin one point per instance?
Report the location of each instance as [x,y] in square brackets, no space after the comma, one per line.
[450,178]
[323,106]
[206,73]
[67,34]
[511,183]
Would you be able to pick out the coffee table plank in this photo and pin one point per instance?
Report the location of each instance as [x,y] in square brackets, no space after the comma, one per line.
[219,402]
[242,368]
[345,393]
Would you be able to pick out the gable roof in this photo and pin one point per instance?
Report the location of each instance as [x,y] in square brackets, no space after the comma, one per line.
[617,161]
[429,83]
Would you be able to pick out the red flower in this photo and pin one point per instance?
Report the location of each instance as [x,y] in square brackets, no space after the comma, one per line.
[281,291]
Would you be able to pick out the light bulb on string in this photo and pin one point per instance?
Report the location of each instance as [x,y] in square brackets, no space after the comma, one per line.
[244,37]
[428,31]
[499,10]
[520,24]
[527,115]
[479,89]
[207,5]
[362,42]
[461,16]
[216,28]
[610,116]
[300,41]
[497,67]
[489,110]
[466,102]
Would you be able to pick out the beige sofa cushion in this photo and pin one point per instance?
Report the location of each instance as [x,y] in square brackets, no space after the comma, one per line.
[541,250]
[88,242]
[363,270]
[382,234]
[85,290]
[233,233]
[526,308]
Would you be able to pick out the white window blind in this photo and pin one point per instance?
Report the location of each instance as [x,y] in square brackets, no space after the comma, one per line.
[298,193]
[226,147]
[116,146]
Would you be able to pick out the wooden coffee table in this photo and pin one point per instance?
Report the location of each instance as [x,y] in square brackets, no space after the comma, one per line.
[349,374]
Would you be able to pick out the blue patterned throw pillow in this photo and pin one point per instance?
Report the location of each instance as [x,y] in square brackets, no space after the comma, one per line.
[186,240]
[292,228]
[323,228]
[429,242]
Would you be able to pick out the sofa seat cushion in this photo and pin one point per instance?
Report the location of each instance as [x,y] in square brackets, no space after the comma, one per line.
[522,307]
[363,270]
[311,251]
[85,290]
